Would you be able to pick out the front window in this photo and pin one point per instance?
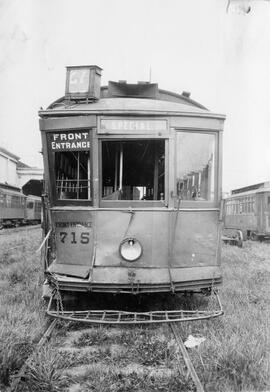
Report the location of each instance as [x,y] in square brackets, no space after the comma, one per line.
[72,170]
[195,166]
[133,170]
[71,164]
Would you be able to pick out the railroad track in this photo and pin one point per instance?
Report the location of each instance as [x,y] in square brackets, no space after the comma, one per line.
[7,231]
[87,358]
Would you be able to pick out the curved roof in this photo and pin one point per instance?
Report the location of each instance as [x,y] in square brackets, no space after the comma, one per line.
[143,106]
[132,104]
[120,98]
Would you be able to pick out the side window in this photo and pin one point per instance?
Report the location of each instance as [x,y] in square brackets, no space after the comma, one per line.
[8,201]
[236,207]
[133,170]
[30,205]
[195,166]
[240,206]
[253,204]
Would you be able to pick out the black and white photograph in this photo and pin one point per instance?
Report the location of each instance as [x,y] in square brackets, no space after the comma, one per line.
[134,196]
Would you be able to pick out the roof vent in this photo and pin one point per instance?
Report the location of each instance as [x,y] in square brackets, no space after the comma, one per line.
[186,94]
[83,82]
[142,82]
[122,81]
[148,90]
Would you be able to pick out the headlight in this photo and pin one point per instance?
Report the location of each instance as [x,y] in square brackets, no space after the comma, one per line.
[130,249]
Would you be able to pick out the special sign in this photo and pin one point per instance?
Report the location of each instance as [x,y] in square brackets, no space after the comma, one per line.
[71,141]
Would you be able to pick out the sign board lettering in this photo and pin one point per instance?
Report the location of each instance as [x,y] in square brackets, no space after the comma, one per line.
[69,141]
[79,80]
[135,126]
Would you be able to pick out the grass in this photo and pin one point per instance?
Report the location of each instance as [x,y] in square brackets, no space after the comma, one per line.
[21,308]
[234,358]
[236,355]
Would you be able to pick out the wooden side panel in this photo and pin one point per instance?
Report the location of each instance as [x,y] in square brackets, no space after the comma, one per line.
[243,222]
[260,212]
[267,212]
[12,213]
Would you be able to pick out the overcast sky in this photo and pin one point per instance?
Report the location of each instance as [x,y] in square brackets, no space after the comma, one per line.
[220,55]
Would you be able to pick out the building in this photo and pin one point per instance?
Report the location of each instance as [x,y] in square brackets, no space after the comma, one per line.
[8,168]
[16,174]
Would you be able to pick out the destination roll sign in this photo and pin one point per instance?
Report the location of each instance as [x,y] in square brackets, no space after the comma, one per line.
[69,141]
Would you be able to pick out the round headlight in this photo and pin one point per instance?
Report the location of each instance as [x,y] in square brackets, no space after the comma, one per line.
[130,249]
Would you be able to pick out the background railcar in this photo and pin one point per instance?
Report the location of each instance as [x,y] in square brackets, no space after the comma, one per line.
[17,209]
[248,209]
[133,188]
[12,207]
[33,209]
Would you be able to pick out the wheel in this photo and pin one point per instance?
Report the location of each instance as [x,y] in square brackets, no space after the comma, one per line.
[240,243]
[239,238]
[253,236]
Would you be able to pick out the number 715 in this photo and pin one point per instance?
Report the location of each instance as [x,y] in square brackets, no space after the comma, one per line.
[74,237]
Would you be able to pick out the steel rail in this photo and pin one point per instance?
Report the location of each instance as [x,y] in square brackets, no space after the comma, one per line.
[10,230]
[45,337]
[189,365]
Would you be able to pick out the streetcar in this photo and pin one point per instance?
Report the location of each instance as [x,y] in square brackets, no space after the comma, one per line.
[33,210]
[132,188]
[17,209]
[248,210]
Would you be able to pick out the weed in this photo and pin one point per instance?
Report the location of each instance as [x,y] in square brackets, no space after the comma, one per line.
[116,381]
[90,338]
[42,374]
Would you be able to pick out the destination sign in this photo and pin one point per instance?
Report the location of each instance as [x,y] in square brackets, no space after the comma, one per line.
[69,141]
[119,125]
[79,80]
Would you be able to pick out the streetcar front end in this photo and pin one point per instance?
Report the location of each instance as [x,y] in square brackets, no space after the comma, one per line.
[132,191]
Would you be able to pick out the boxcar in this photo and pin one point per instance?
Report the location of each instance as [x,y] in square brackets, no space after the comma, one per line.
[132,188]
[248,209]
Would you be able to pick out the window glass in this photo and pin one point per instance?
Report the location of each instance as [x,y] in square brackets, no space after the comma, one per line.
[8,200]
[30,205]
[249,205]
[253,205]
[15,201]
[133,170]
[195,166]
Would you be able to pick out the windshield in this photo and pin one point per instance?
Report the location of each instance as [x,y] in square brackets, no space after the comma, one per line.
[133,170]
[71,164]
[195,166]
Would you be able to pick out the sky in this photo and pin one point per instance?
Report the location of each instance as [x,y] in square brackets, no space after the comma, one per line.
[220,54]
